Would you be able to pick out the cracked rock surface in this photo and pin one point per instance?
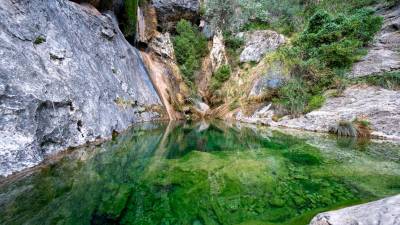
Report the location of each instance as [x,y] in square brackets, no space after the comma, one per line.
[67,77]
[382,212]
[380,106]
[384,54]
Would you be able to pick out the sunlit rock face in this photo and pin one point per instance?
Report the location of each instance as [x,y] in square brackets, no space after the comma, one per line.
[258,43]
[67,76]
[383,55]
[380,106]
[384,212]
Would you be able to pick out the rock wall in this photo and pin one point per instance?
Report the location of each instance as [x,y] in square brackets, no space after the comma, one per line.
[384,54]
[67,77]
[165,74]
[169,12]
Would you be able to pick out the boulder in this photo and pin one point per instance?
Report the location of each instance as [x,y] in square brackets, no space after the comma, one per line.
[67,77]
[258,43]
[263,115]
[380,106]
[382,212]
[384,54]
[273,78]
[206,29]
[169,12]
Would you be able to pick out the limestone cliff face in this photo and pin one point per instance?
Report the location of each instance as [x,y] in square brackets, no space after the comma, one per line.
[67,76]
[384,54]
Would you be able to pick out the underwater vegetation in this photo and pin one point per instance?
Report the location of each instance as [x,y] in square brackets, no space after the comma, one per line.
[210,173]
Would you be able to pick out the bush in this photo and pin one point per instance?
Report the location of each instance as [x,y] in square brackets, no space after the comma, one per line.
[386,80]
[294,96]
[337,41]
[322,53]
[220,76]
[344,129]
[129,18]
[357,128]
[315,102]
[190,46]
[39,40]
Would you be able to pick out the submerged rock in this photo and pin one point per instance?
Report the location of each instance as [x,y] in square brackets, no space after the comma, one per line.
[383,212]
[258,43]
[384,54]
[381,107]
[67,76]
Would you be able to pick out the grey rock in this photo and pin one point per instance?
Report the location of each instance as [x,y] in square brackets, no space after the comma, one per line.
[380,106]
[265,83]
[382,212]
[263,116]
[201,107]
[384,54]
[169,12]
[258,43]
[274,78]
[206,29]
[161,44]
[71,89]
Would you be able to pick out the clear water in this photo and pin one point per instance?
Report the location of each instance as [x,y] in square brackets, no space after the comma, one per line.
[202,174]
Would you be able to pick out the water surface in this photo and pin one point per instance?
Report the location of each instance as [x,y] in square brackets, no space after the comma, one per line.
[204,173]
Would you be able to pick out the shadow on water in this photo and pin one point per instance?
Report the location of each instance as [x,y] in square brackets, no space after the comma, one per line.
[202,173]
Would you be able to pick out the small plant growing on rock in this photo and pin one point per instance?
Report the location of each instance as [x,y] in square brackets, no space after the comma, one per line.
[360,127]
[315,102]
[363,127]
[39,40]
[220,76]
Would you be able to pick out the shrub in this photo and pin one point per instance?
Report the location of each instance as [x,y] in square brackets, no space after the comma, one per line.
[357,128]
[337,41]
[233,42]
[385,80]
[190,46]
[344,129]
[128,23]
[363,127]
[255,14]
[294,96]
[315,102]
[322,53]
[39,40]
[220,76]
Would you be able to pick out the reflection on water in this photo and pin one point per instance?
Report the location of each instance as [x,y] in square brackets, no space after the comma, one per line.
[202,173]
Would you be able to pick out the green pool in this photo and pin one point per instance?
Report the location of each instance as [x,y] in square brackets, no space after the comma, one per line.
[202,173]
